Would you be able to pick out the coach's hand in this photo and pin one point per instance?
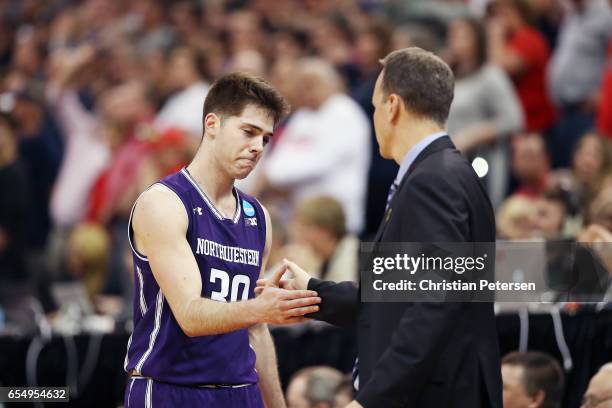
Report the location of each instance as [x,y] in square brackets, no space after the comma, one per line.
[299,281]
[280,306]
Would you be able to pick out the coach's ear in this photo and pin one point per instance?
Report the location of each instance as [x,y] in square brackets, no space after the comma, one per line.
[394,104]
[212,122]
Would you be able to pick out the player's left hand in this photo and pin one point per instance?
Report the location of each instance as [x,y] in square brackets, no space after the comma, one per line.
[354,404]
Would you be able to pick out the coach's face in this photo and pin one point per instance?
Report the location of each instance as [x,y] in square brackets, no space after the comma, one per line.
[240,140]
[386,113]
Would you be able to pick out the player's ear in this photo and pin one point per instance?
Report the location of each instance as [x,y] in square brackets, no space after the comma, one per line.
[212,122]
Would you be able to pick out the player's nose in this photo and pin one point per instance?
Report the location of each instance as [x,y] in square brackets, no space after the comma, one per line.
[257,145]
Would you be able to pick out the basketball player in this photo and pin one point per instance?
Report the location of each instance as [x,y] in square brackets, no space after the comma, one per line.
[199,245]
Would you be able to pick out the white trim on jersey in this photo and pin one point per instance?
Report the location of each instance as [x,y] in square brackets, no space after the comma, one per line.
[159,304]
[127,353]
[209,203]
[149,394]
[130,393]
[238,206]
[143,304]
[134,251]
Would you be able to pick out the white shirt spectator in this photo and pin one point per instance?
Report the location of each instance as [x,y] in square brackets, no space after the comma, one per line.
[184,110]
[577,64]
[325,152]
[86,155]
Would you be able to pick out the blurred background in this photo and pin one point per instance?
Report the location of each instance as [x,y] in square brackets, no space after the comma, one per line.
[101,98]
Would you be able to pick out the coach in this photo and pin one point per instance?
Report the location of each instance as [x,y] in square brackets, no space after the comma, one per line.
[438,355]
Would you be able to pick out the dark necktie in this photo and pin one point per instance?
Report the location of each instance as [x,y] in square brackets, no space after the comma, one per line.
[392,191]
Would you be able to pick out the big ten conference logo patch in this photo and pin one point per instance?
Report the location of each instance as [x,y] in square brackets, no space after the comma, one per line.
[250,220]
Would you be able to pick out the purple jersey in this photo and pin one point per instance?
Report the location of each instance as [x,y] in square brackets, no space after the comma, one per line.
[229,253]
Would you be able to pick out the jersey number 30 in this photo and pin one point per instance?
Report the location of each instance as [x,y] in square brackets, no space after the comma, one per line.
[236,283]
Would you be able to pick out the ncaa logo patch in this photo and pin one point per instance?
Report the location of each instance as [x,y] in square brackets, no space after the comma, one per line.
[250,222]
[249,210]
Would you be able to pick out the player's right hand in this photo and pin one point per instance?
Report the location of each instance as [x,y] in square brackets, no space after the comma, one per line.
[281,306]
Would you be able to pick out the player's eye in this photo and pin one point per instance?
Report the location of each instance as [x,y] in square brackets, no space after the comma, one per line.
[248,132]
[266,140]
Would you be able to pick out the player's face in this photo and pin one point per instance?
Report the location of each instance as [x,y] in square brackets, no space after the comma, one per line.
[242,140]
[381,119]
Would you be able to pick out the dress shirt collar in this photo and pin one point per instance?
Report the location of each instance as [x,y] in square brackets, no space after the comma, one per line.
[413,153]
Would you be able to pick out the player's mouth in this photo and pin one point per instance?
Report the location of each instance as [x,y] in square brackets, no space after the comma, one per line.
[248,161]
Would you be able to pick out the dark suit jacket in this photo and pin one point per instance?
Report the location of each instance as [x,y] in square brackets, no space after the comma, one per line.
[418,355]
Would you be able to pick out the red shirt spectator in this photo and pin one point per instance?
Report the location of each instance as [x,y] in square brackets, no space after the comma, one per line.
[604,114]
[530,82]
[113,182]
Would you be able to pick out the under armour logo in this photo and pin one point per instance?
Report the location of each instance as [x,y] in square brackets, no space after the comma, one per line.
[197,210]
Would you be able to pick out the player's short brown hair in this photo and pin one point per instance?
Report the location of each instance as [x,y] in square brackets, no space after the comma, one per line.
[424,82]
[231,93]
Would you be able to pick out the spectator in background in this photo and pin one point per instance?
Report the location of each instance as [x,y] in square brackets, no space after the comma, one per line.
[153,31]
[344,392]
[485,109]
[599,392]
[186,17]
[331,38]
[86,153]
[592,162]
[551,214]
[88,255]
[576,70]
[599,210]
[532,380]
[186,79]
[280,239]
[547,19]
[169,151]
[604,113]
[325,149]
[41,150]
[313,387]
[530,165]
[127,111]
[320,224]
[516,219]
[372,44]
[14,202]
[599,258]
[520,50]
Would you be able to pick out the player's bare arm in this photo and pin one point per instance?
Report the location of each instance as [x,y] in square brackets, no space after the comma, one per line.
[160,225]
[261,340]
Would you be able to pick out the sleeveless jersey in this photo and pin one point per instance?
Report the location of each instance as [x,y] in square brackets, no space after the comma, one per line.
[229,253]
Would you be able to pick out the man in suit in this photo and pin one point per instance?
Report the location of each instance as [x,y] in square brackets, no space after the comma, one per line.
[419,354]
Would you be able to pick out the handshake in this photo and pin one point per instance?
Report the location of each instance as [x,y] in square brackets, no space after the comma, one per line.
[285,301]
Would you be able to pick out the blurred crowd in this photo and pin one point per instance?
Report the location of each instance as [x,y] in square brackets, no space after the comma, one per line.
[101,98]
[530,379]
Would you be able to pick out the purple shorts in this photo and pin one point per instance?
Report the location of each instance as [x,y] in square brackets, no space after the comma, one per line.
[147,393]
